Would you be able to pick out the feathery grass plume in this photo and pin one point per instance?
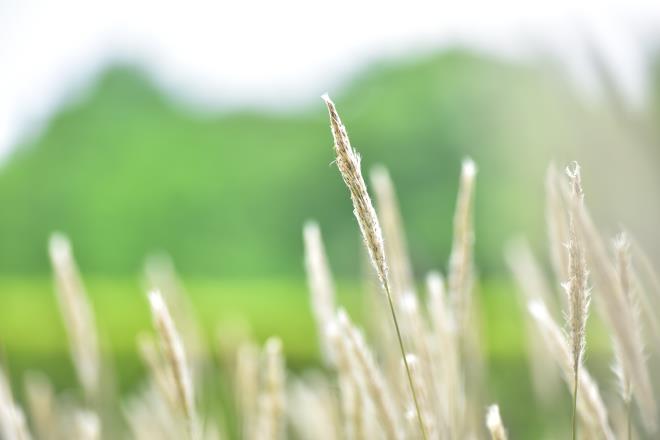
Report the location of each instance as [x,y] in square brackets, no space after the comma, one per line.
[159,370]
[494,423]
[590,406]
[576,287]
[532,285]
[173,352]
[271,421]
[624,271]
[312,409]
[12,419]
[319,280]
[622,257]
[348,162]
[557,225]
[246,379]
[459,278]
[77,313]
[460,283]
[41,405]
[450,391]
[149,416]
[396,247]
[619,315]
[160,274]
[369,377]
[351,401]
[88,425]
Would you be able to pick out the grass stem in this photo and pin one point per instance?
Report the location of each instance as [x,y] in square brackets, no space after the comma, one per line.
[575,393]
[405,362]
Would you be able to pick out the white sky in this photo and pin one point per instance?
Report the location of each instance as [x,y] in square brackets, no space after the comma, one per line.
[273,53]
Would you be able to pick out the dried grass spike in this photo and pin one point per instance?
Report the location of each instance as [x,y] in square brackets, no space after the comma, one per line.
[320,284]
[348,162]
[401,273]
[272,401]
[78,315]
[12,419]
[494,423]
[460,260]
[174,354]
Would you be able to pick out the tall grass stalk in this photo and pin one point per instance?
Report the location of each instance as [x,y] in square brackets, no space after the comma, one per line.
[173,350]
[619,316]
[576,289]
[494,423]
[348,162]
[387,208]
[77,313]
[319,280]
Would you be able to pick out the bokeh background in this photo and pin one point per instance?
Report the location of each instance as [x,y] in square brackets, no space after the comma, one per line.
[196,131]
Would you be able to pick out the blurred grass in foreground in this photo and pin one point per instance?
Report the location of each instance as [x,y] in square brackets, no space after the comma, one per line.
[32,334]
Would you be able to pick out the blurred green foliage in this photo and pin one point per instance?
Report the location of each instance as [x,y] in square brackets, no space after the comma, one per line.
[124,171]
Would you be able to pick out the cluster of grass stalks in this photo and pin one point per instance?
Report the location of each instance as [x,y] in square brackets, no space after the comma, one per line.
[420,374]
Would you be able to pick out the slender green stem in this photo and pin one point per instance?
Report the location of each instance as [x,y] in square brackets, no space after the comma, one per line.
[405,362]
[575,393]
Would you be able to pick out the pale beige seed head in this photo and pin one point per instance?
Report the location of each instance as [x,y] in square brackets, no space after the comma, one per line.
[77,313]
[494,423]
[312,409]
[320,283]
[450,389]
[622,256]
[579,298]
[348,388]
[396,246]
[88,425]
[631,298]
[174,354]
[13,425]
[161,274]
[575,177]
[348,162]
[246,379]
[576,287]
[41,405]
[619,315]
[460,272]
[159,369]
[272,400]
